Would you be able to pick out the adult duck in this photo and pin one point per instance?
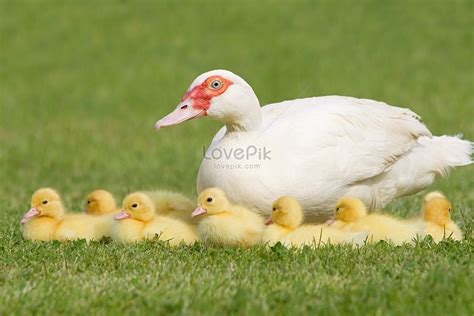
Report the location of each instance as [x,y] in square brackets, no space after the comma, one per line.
[315,149]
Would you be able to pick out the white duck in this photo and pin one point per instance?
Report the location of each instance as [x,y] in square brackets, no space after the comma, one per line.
[315,149]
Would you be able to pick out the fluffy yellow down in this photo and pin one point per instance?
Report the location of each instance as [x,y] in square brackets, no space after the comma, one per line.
[437,217]
[46,220]
[225,223]
[139,221]
[351,214]
[285,226]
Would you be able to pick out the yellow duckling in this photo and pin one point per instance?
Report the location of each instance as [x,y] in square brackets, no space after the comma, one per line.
[437,218]
[100,202]
[284,226]
[173,204]
[286,217]
[139,221]
[351,215]
[46,220]
[225,223]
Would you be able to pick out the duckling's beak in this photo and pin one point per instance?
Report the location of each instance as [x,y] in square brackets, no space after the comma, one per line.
[33,212]
[269,221]
[122,215]
[198,211]
[184,111]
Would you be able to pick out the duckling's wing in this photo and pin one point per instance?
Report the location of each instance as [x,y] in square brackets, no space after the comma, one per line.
[166,201]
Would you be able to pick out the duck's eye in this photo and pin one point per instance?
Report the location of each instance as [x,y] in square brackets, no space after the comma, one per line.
[449,210]
[274,209]
[337,209]
[216,84]
[88,202]
[134,205]
[209,199]
[45,202]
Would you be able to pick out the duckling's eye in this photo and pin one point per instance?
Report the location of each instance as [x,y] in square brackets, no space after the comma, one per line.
[45,202]
[134,205]
[88,202]
[449,210]
[216,84]
[274,209]
[209,199]
[337,209]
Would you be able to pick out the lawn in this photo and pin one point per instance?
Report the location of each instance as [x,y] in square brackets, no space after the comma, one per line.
[82,83]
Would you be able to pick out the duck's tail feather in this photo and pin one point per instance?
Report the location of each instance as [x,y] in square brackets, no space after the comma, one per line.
[417,169]
[442,153]
[167,201]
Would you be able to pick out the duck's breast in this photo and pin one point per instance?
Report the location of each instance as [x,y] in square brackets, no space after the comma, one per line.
[221,229]
[40,229]
[273,234]
[127,230]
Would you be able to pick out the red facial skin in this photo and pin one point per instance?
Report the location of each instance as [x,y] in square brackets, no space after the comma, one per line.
[202,94]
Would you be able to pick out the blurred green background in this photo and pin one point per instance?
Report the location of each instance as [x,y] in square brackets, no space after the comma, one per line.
[82,83]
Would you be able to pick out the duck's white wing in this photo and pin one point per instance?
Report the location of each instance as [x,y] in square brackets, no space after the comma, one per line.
[218,136]
[326,147]
[355,139]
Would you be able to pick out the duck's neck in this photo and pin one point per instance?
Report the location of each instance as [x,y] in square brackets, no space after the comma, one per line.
[148,217]
[59,215]
[288,228]
[248,118]
[52,220]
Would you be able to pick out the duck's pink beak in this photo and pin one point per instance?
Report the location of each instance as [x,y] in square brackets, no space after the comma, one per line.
[122,215]
[33,212]
[184,112]
[269,221]
[198,211]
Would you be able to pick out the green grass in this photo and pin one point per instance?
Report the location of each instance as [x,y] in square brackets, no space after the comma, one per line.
[82,83]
